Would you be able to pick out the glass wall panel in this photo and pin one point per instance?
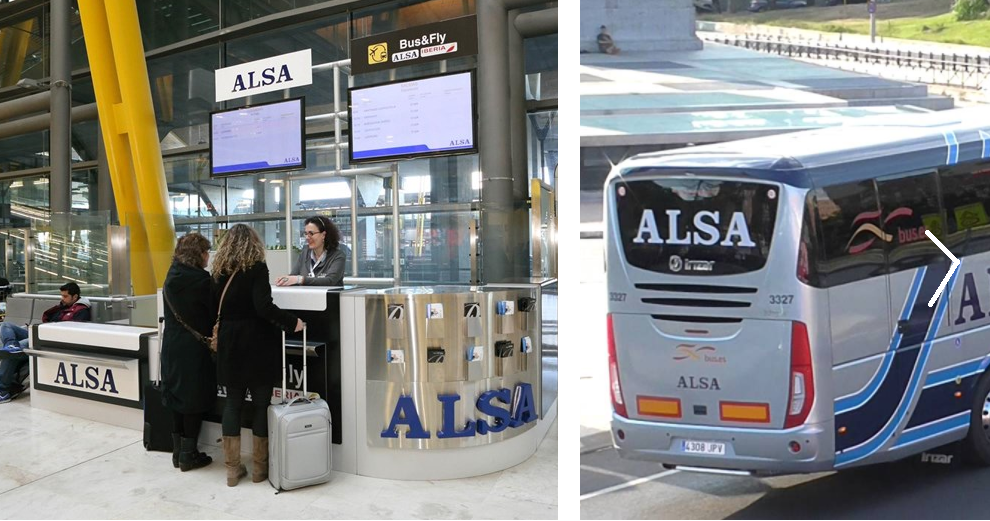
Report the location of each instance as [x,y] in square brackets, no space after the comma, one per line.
[191,191]
[164,22]
[328,41]
[85,189]
[542,131]
[240,11]
[182,92]
[24,152]
[541,67]
[71,247]
[24,41]
[435,247]
[453,179]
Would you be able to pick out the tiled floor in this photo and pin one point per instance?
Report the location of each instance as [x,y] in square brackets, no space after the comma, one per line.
[56,466]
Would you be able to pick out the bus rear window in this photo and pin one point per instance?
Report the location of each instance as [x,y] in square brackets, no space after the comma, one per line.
[696,226]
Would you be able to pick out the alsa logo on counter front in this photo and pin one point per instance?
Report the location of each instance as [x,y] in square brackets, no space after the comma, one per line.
[90,379]
[706,225]
[520,411]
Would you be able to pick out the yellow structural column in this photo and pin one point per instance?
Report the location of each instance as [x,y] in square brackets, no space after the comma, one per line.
[127,119]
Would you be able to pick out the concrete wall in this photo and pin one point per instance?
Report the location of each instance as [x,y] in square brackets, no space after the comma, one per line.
[640,25]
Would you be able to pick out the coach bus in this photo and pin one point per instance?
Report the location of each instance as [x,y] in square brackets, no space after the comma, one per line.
[769,298]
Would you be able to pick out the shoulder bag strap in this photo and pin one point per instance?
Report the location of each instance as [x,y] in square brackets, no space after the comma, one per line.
[181,322]
[224,294]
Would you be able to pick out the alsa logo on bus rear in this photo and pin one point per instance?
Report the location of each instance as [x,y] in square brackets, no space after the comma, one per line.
[865,223]
[703,383]
[701,354]
[706,225]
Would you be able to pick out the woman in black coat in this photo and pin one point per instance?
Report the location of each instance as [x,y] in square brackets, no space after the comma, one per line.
[189,383]
[250,344]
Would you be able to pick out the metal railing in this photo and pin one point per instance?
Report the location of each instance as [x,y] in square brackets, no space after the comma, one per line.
[956,70]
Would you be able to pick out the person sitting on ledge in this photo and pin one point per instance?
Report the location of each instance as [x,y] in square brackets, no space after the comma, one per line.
[605,43]
[72,307]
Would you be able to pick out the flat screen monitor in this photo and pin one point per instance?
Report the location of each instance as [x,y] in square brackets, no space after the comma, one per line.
[258,138]
[430,116]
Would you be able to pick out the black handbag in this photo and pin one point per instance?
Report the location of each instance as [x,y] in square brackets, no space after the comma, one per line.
[157,418]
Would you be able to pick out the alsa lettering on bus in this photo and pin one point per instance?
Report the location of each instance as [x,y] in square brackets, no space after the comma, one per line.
[970,301]
[522,410]
[706,224]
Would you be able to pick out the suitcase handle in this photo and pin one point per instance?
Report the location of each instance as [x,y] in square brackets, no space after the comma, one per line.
[296,399]
[305,377]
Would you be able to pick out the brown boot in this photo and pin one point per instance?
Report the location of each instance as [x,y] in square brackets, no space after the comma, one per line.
[260,471]
[232,458]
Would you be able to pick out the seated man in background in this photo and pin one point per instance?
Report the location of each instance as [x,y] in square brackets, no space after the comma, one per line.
[605,43]
[72,307]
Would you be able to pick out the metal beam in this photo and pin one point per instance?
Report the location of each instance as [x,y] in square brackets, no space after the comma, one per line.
[22,126]
[60,150]
[537,23]
[23,106]
[494,145]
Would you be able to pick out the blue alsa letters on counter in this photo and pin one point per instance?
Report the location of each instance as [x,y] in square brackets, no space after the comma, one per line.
[518,414]
[92,378]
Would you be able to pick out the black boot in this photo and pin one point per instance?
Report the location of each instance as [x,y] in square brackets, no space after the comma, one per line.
[176,448]
[190,458]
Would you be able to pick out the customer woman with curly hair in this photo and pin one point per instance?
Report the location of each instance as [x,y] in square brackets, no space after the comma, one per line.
[249,344]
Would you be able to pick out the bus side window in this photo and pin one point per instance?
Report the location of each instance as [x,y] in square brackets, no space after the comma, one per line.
[850,233]
[965,193]
[910,206]
[808,250]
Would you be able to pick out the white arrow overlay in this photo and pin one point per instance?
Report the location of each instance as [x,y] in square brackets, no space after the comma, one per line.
[952,269]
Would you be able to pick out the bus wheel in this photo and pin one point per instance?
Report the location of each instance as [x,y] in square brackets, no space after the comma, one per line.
[978,440]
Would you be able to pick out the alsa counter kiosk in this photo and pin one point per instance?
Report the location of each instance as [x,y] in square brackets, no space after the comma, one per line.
[448,379]
[90,370]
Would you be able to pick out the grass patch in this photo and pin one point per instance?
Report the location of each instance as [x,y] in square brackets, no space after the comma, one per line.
[943,28]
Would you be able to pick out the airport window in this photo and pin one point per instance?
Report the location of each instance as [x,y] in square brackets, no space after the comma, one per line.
[183,95]
[909,206]
[328,41]
[165,23]
[965,193]
[850,225]
[240,11]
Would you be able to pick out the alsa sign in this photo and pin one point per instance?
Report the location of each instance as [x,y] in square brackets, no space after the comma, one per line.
[438,41]
[285,71]
[504,411]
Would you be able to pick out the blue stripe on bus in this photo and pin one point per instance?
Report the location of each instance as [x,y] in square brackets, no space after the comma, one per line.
[939,401]
[857,400]
[935,428]
[877,441]
[951,373]
[985,137]
[952,157]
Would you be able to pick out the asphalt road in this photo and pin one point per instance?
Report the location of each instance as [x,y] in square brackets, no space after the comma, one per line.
[907,489]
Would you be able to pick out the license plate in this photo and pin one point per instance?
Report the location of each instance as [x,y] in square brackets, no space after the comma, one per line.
[703,447]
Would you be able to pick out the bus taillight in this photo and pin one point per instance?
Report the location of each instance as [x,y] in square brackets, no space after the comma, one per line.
[618,405]
[802,394]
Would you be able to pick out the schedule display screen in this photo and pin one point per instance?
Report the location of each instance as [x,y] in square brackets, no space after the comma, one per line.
[258,138]
[422,117]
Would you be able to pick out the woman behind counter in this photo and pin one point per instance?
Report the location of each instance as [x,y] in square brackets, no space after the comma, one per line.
[322,263]
[189,376]
[249,352]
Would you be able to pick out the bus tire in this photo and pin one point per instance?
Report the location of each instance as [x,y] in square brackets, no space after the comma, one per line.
[978,440]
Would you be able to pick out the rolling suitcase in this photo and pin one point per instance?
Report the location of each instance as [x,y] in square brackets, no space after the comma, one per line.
[298,437]
[157,418]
